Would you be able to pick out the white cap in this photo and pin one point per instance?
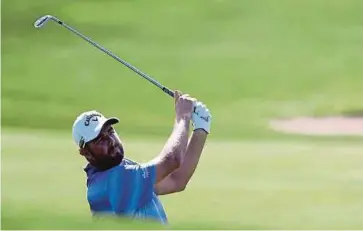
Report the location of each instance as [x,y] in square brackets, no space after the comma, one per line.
[88,125]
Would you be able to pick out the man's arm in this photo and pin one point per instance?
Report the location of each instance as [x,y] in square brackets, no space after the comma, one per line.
[171,156]
[178,179]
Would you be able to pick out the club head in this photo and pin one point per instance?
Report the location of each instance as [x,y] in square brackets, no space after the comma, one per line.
[41,21]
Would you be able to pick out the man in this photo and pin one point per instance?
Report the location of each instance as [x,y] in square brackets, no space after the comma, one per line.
[119,186]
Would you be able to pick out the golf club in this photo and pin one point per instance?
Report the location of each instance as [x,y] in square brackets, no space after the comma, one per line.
[43,20]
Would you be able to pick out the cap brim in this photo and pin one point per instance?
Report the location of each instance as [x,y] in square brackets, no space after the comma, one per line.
[112,120]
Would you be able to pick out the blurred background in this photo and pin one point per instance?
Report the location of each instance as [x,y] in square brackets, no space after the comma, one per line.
[249,61]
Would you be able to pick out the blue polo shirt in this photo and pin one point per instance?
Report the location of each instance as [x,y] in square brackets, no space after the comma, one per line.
[126,190]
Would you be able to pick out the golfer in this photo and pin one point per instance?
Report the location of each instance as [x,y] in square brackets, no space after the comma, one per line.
[119,186]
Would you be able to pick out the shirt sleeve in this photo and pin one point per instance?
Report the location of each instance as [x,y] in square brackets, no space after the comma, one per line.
[131,186]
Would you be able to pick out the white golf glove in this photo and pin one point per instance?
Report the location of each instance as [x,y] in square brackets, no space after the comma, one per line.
[201,117]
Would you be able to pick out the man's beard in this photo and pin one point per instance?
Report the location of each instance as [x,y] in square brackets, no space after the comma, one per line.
[107,162]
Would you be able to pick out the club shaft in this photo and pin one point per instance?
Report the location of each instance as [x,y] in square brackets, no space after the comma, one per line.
[156,83]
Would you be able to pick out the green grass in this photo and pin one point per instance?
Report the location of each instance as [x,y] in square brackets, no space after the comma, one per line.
[253,185]
[249,61]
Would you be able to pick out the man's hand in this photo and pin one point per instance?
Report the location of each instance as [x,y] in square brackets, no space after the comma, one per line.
[201,117]
[183,106]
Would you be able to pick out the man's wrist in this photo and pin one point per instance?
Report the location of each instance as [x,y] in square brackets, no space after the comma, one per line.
[183,118]
[202,125]
[182,122]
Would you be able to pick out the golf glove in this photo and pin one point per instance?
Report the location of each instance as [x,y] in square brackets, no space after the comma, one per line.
[201,117]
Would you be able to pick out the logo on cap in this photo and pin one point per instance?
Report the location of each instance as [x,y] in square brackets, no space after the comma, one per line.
[93,117]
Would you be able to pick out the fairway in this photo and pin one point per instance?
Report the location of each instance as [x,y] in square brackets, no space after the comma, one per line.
[251,62]
[267,185]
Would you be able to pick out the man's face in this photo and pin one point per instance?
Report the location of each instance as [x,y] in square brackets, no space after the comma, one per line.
[106,150]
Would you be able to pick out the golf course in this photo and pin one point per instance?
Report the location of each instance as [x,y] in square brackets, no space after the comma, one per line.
[251,62]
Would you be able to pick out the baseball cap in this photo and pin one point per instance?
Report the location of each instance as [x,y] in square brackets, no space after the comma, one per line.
[88,125]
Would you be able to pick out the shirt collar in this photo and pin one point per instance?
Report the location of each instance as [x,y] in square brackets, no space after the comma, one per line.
[90,170]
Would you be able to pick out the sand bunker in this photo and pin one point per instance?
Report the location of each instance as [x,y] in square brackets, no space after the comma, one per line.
[327,126]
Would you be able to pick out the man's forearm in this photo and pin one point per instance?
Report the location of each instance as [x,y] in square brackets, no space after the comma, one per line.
[178,141]
[176,144]
[191,159]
